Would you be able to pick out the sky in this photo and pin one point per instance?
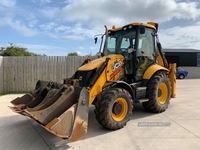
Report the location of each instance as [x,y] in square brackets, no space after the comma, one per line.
[59,27]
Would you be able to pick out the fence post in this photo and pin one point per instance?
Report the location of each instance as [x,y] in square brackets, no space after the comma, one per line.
[1,74]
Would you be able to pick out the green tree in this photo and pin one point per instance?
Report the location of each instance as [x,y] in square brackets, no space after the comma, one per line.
[73,54]
[13,50]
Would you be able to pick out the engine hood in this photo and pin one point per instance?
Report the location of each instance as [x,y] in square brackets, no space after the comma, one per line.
[98,62]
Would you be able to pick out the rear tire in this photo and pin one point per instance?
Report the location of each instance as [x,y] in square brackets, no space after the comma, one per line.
[114,109]
[159,94]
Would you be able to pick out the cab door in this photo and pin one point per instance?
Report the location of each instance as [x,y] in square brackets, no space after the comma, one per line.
[145,53]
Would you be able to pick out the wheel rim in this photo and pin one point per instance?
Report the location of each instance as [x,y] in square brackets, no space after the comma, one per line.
[181,76]
[162,93]
[119,109]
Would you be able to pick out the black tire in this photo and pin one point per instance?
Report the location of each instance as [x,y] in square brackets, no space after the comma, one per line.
[181,76]
[159,94]
[114,109]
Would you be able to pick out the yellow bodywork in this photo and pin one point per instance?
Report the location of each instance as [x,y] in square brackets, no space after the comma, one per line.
[152,69]
[172,77]
[149,24]
[159,59]
[114,71]
[92,64]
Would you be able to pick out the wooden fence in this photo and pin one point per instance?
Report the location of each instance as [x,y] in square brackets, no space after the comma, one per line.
[19,74]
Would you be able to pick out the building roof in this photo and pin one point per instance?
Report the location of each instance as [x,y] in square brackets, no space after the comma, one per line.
[174,50]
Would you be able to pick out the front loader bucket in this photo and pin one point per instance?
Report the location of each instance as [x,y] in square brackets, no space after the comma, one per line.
[63,111]
[55,107]
[73,123]
[33,98]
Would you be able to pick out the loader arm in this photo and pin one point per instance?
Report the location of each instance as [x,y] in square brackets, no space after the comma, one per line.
[97,82]
[108,70]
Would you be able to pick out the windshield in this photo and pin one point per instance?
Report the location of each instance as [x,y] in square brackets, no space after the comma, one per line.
[120,41]
[179,68]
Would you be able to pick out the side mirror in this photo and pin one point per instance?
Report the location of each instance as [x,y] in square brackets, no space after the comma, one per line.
[154,34]
[95,40]
[159,46]
[142,29]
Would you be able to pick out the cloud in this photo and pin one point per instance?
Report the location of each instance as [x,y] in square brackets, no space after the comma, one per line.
[49,12]
[79,53]
[94,47]
[187,10]
[45,1]
[75,32]
[73,37]
[62,28]
[48,26]
[22,29]
[181,37]
[41,2]
[81,48]
[119,12]
[81,19]
[32,23]
[31,20]
[49,50]
[52,50]
[8,3]
[18,26]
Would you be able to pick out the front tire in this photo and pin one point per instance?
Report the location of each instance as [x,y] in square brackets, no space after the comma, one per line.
[159,93]
[114,109]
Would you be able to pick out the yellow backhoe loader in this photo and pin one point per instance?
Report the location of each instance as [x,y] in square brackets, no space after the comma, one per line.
[131,68]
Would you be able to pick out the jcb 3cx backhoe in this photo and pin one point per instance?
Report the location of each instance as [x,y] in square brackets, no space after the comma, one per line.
[131,68]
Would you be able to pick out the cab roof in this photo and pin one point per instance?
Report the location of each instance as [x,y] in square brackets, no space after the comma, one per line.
[148,24]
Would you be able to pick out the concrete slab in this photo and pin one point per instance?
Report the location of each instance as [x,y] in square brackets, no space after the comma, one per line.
[181,129]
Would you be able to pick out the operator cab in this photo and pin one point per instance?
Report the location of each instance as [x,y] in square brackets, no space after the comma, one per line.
[137,44]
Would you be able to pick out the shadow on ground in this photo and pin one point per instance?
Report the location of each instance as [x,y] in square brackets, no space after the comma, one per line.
[140,112]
